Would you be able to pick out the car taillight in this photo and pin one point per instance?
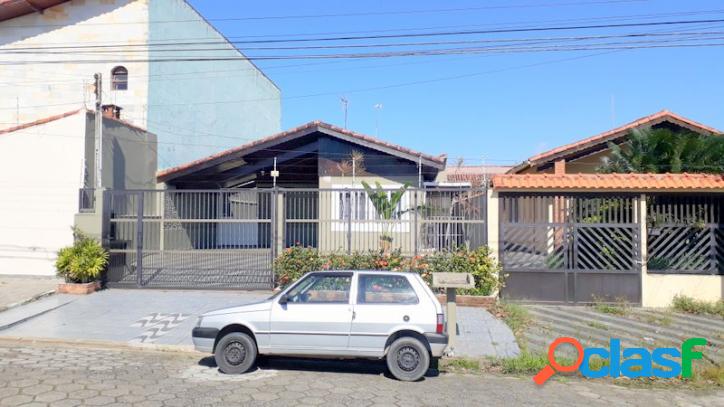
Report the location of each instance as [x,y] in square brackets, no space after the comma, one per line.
[440,323]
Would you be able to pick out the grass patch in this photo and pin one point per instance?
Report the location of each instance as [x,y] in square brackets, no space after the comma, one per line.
[690,305]
[597,325]
[619,308]
[662,320]
[461,364]
[525,363]
[528,364]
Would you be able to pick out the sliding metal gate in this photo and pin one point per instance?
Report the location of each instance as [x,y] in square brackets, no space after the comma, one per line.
[190,239]
[570,248]
[229,238]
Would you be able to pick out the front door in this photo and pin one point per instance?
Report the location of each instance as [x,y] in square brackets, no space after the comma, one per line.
[316,318]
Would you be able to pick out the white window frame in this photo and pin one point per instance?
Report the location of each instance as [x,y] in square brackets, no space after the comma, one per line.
[366,224]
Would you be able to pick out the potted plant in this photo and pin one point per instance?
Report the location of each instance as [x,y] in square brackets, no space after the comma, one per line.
[81,265]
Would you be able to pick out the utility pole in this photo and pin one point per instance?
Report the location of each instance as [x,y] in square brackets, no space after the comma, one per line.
[99,130]
[345,105]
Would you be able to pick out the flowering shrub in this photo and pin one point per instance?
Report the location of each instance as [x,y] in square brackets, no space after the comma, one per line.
[296,261]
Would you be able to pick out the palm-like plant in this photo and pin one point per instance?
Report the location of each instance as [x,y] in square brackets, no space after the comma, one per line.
[386,206]
[663,150]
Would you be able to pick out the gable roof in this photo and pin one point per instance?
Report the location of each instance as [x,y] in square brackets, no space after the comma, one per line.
[40,121]
[55,117]
[610,182]
[610,135]
[10,9]
[298,132]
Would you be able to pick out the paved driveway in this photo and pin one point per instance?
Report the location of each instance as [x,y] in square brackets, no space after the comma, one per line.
[166,317]
[136,316]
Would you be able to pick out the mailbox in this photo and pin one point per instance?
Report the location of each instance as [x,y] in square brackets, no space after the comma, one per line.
[453,280]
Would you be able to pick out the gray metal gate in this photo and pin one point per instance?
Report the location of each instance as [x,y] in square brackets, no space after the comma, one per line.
[190,239]
[229,238]
[570,248]
[685,234]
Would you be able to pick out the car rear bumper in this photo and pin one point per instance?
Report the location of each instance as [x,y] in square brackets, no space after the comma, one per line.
[204,339]
[438,343]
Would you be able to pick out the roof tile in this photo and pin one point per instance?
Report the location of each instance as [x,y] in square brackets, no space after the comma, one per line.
[610,182]
[613,134]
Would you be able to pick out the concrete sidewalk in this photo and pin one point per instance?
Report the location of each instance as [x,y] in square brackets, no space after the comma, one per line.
[166,317]
[17,290]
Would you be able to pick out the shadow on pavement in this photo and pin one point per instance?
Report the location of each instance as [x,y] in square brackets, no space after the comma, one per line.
[353,366]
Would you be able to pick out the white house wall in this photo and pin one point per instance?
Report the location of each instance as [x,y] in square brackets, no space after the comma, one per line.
[35,90]
[195,108]
[40,173]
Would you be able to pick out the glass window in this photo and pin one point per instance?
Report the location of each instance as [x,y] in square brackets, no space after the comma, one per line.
[119,78]
[354,204]
[385,289]
[318,288]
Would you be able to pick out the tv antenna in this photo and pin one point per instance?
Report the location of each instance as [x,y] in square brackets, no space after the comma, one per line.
[345,105]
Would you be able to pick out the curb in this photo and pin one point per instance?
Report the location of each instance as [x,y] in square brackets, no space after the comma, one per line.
[28,300]
[111,345]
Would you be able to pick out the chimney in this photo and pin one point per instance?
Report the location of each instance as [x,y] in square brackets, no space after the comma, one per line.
[112,111]
[559,167]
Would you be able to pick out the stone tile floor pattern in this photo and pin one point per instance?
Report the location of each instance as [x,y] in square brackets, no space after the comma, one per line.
[114,315]
[63,375]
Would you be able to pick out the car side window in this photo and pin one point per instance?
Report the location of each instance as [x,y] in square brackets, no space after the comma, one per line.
[385,289]
[321,289]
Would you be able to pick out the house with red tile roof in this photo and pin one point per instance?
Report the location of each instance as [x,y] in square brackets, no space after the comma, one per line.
[44,163]
[568,233]
[586,155]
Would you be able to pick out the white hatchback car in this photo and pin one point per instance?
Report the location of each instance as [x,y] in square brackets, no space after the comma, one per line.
[339,314]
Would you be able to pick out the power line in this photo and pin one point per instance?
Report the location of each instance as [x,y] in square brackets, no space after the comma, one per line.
[410,35]
[376,55]
[703,34]
[373,55]
[358,14]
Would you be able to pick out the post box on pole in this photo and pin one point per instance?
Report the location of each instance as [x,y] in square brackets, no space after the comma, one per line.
[451,282]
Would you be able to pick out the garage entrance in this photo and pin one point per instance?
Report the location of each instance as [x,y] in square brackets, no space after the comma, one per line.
[190,239]
[570,248]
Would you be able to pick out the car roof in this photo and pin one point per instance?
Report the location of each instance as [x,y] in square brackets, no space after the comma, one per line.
[365,271]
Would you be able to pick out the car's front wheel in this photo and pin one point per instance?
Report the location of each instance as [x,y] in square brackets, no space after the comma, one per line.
[235,353]
[408,359]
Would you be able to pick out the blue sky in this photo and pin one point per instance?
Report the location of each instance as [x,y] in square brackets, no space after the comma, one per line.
[507,107]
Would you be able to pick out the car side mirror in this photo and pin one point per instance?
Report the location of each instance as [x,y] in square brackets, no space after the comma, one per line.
[283,300]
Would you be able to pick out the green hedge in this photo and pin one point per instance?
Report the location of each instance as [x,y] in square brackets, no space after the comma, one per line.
[296,261]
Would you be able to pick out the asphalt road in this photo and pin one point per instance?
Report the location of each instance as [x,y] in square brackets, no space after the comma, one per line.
[72,374]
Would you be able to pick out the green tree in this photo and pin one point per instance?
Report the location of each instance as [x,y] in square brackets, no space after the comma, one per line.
[664,150]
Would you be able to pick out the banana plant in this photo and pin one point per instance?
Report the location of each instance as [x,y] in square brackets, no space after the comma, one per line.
[386,207]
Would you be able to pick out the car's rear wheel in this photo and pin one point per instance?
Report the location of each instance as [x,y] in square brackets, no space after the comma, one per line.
[235,353]
[408,359]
